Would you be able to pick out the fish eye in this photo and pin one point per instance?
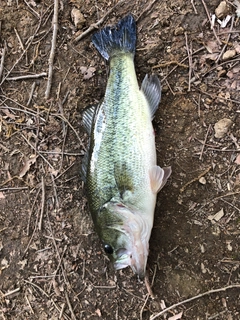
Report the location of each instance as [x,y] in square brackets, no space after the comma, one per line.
[108,249]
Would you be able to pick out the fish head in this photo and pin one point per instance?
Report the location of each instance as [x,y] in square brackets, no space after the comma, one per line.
[125,236]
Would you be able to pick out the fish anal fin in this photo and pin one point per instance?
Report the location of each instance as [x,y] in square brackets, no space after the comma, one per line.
[158,177]
[151,88]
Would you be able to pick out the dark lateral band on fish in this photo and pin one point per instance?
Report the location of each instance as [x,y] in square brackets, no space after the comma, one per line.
[120,171]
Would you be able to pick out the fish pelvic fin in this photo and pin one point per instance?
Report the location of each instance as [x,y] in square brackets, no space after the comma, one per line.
[120,38]
[151,88]
[158,177]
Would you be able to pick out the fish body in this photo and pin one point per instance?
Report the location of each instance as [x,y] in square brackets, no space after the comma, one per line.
[121,175]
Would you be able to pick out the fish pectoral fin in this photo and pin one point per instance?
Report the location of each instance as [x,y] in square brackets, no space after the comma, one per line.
[151,88]
[158,177]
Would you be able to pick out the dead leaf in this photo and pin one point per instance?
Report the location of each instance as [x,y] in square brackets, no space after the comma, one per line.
[98,312]
[237,161]
[212,46]
[176,316]
[27,165]
[88,73]
[2,196]
[217,216]
[237,4]
[23,263]
[229,54]
[9,114]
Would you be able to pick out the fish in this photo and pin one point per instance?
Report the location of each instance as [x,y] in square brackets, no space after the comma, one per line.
[120,169]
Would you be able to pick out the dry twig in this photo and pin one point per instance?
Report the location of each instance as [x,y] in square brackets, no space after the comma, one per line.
[195,179]
[194,298]
[24,51]
[42,205]
[31,93]
[10,292]
[146,9]
[209,18]
[189,52]
[28,76]
[70,307]
[95,25]
[194,8]
[2,59]
[204,143]
[52,53]
[228,38]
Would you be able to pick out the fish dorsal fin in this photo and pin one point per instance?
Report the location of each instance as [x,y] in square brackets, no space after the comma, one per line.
[87,117]
[151,88]
[158,177]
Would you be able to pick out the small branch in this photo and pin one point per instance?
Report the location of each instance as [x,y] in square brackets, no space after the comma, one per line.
[35,13]
[189,61]
[194,298]
[31,93]
[52,53]
[70,307]
[2,59]
[10,292]
[147,9]
[95,25]
[195,179]
[28,76]
[174,68]
[204,143]
[36,286]
[209,18]
[166,64]
[29,304]
[194,8]
[37,151]
[22,54]
[42,206]
[19,39]
[228,38]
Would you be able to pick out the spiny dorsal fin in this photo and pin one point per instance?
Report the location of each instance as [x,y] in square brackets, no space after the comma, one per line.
[158,177]
[87,118]
[151,88]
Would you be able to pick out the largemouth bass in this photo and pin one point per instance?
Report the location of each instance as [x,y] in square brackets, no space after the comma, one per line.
[120,170]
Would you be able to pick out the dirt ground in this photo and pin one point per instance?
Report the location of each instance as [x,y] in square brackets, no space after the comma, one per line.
[52,265]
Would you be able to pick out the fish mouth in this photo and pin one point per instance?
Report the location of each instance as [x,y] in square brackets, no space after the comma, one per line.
[136,260]
[139,262]
[123,260]
[134,252]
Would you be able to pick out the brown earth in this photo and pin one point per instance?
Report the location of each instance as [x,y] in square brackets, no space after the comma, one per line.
[51,262]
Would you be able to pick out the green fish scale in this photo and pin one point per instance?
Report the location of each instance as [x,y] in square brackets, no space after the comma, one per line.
[117,152]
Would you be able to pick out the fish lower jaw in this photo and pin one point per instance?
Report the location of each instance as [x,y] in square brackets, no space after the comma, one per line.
[122,263]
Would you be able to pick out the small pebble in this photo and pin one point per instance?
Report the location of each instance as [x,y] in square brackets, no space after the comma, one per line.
[202,180]
[221,127]
[178,31]
[222,10]
[77,18]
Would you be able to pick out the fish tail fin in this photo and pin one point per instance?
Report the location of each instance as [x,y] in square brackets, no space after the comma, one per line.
[120,38]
